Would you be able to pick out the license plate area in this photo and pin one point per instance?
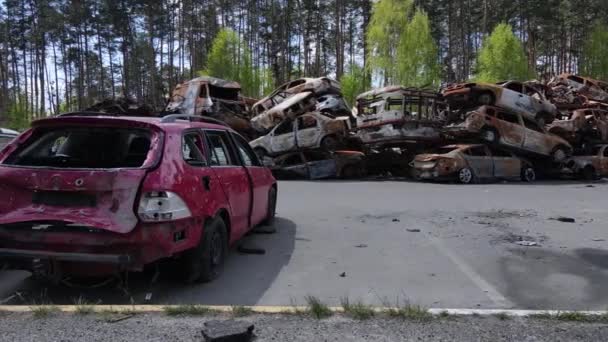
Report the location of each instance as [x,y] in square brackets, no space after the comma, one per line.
[64,199]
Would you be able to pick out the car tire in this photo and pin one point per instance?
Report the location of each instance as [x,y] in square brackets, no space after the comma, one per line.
[559,154]
[271,208]
[466,176]
[490,135]
[485,99]
[329,143]
[588,173]
[205,262]
[528,174]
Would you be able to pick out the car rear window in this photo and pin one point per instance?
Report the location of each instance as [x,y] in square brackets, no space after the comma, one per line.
[84,147]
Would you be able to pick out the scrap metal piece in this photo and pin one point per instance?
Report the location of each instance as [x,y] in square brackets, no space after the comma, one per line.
[590,88]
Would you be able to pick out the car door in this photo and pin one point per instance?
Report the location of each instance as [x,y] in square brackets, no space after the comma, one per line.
[308,131]
[510,129]
[320,165]
[282,137]
[536,140]
[480,161]
[233,178]
[506,165]
[260,177]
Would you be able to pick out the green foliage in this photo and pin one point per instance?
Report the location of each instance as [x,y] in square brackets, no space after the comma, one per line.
[17,114]
[354,82]
[417,64]
[388,22]
[230,59]
[502,57]
[594,62]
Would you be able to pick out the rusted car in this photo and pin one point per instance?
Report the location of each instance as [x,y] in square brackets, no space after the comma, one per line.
[470,164]
[395,115]
[294,106]
[513,95]
[311,130]
[6,136]
[319,165]
[588,87]
[584,124]
[510,129]
[213,97]
[592,165]
[318,86]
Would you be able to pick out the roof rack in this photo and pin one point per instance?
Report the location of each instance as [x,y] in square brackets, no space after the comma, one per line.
[174,117]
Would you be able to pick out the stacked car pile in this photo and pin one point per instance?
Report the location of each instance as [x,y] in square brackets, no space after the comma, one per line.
[303,123]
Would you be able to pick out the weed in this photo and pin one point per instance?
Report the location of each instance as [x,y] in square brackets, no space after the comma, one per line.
[357,310]
[187,310]
[317,308]
[241,311]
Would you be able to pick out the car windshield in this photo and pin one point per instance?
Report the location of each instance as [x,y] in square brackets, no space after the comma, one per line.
[84,147]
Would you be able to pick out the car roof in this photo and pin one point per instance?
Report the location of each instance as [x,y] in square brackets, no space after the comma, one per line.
[160,122]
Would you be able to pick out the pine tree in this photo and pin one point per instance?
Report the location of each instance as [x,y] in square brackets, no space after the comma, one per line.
[594,62]
[502,57]
[417,59]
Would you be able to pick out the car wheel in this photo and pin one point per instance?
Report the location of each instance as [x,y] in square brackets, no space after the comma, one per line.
[271,209]
[528,174]
[490,136]
[588,173]
[465,176]
[485,99]
[205,262]
[559,154]
[329,143]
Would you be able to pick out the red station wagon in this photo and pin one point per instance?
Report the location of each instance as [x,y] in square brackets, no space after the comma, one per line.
[90,195]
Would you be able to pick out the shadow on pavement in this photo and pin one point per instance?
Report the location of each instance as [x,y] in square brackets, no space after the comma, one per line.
[244,281]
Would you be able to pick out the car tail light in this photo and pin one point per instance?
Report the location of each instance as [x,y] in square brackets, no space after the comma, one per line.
[160,206]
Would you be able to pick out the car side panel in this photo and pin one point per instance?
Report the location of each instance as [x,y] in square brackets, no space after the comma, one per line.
[506,167]
[482,166]
[511,134]
[308,137]
[262,181]
[283,142]
[237,188]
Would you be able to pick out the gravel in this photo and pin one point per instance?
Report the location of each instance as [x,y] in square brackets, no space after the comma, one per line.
[158,327]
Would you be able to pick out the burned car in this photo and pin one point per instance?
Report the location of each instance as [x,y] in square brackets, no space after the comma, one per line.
[311,130]
[395,115]
[512,95]
[317,86]
[591,166]
[213,97]
[6,136]
[588,87]
[510,129]
[319,165]
[583,125]
[296,105]
[470,164]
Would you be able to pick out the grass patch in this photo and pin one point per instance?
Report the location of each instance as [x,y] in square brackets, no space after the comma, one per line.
[83,307]
[317,308]
[357,310]
[241,311]
[43,311]
[411,312]
[187,310]
[444,314]
[573,316]
[502,316]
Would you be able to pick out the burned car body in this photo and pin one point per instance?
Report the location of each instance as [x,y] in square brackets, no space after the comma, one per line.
[6,136]
[319,165]
[588,87]
[296,105]
[510,129]
[311,130]
[512,95]
[590,124]
[215,98]
[396,115]
[318,86]
[471,163]
[592,165]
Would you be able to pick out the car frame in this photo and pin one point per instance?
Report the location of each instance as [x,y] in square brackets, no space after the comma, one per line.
[310,130]
[584,123]
[590,166]
[590,88]
[319,164]
[471,163]
[513,95]
[512,130]
[182,203]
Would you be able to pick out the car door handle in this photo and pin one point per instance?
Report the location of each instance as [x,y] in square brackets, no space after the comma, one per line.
[206,180]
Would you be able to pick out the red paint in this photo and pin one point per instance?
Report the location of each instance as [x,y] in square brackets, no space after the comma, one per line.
[242,192]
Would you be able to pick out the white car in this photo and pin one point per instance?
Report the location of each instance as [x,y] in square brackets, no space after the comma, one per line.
[6,136]
[311,130]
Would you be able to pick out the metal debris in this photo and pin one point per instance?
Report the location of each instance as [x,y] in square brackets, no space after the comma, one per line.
[228,331]
[527,243]
[563,219]
[413,230]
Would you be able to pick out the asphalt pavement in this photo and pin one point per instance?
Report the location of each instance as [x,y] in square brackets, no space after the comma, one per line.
[391,242]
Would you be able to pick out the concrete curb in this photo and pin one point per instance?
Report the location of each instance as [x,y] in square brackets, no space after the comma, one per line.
[286,310]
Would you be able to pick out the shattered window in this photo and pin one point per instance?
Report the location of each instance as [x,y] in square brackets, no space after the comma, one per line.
[532,125]
[306,121]
[284,127]
[219,147]
[518,87]
[478,151]
[508,117]
[84,147]
[247,155]
[192,149]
